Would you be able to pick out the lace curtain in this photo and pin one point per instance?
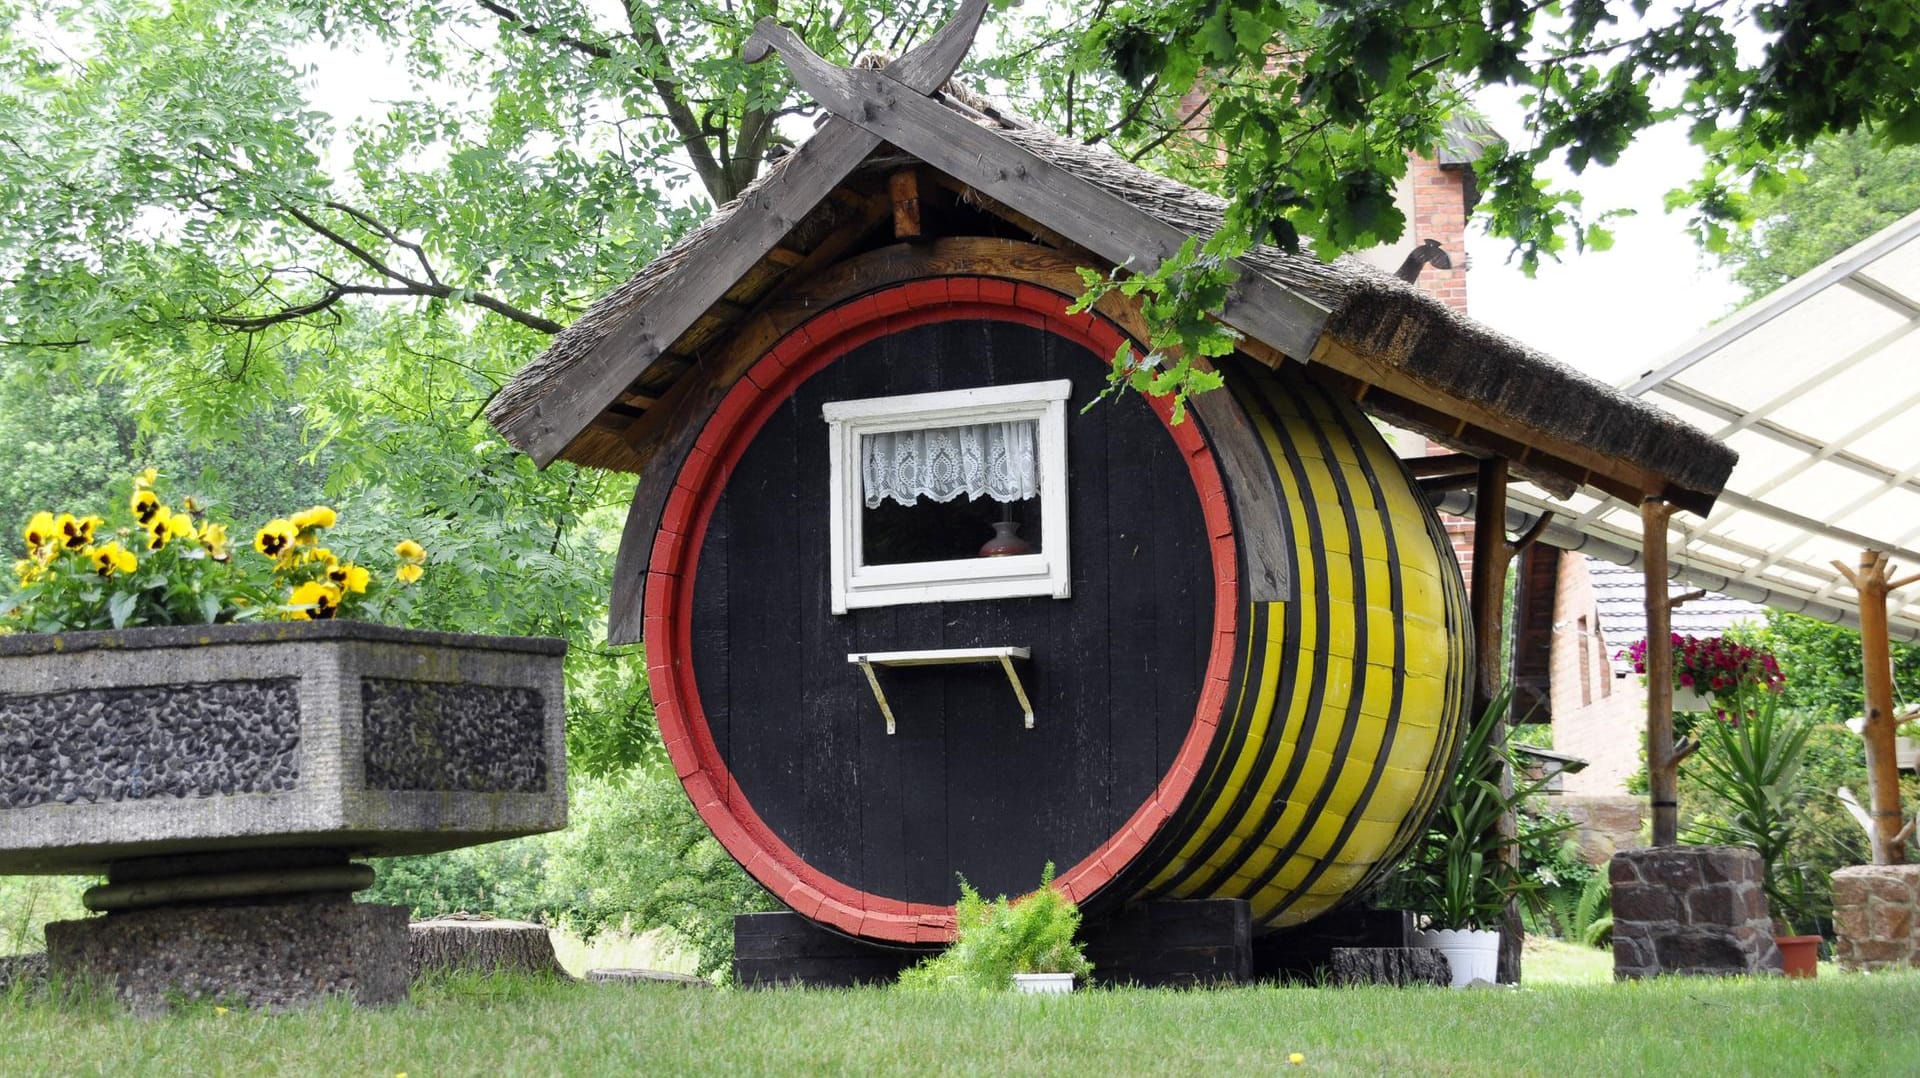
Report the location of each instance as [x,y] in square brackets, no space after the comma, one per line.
[997,460]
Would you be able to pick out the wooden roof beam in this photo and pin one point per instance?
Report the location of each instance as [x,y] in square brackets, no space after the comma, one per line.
[770,211]
[1092,217]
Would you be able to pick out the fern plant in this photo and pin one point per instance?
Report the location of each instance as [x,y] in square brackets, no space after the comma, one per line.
[996,939]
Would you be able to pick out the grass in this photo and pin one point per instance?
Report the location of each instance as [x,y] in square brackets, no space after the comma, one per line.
[1549,961]
[1838,1025]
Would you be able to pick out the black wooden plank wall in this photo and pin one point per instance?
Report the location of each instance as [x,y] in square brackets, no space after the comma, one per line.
[962,787]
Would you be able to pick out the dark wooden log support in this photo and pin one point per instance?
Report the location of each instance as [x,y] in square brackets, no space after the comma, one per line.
[785,949]
[1174,944]
[1305,953]
[1400,966]
[1151,944]
[1663,764]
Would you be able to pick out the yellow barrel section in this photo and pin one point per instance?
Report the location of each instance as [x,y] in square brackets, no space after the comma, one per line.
[1351,698]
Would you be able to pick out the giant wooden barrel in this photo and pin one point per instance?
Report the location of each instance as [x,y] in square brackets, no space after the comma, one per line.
[1187,740]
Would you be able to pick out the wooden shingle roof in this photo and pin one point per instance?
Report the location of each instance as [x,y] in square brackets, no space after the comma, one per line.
[1401,353]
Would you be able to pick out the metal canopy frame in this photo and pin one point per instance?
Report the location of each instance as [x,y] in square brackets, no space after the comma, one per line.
[1818,386]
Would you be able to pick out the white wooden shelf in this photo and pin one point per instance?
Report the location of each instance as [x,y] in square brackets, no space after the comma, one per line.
[867,660]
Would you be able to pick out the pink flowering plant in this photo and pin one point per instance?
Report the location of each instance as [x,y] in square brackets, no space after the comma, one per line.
[1729,672]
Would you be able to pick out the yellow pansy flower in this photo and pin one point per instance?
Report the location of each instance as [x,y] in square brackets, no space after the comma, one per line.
[112,558]
[144,506]
[214,538]
[408,550]
[314,601]
[320,556]
[275,537]
[40,530]
[408,573]
[145,479]
[77,533]
[350,577]
[179,526]
[28,570]
[318,517]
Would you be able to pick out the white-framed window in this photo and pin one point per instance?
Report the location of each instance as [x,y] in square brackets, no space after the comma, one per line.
[944,497]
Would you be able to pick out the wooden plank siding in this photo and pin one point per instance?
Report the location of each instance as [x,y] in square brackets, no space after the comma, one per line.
[962,786]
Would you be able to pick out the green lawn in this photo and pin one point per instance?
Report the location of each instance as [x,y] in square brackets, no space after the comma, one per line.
[1836,1025]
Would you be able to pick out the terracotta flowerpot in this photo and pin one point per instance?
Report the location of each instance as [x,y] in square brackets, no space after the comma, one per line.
[1799,955]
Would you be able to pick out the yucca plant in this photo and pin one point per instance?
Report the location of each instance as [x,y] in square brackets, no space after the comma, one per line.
[1751,764]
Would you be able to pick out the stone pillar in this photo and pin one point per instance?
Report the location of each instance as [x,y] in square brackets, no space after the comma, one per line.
[1690,910]
[1876,912]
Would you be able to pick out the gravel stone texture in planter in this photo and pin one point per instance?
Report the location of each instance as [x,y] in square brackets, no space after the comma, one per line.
[423,735]
[146,743]
[271,956]
[196,740]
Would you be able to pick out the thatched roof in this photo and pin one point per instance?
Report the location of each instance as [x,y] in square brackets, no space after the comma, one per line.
[1449,364]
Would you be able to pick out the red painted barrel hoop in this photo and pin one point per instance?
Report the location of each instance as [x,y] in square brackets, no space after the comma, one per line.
[802,352]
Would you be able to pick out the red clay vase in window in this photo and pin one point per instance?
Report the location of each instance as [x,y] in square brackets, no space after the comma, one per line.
[1006,541]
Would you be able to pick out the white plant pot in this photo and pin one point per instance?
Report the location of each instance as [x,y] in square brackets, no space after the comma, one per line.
[1685,699]
[1473,953]
[1906,753]
[1045,984]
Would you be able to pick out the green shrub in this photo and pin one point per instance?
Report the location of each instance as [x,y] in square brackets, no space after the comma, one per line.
[638,857]
[635,857]
[27,903]
[995,940]
[504,879]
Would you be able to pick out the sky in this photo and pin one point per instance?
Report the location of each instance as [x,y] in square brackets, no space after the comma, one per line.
[1614,314]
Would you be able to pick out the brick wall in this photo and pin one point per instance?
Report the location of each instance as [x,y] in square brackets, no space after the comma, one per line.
[1599,718]
[1437,210]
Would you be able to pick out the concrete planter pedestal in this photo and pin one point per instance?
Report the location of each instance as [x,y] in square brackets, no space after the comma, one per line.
[225,779]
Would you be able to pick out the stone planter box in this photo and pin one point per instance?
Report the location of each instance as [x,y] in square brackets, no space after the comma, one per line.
[224,779]
[338,735]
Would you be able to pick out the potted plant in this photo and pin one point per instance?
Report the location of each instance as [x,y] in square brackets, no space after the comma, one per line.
[1711,673]
[1456,877]
[1026,944]
[199,719]
[1749,760]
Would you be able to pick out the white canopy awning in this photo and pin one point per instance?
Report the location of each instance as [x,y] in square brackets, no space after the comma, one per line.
[1817,386]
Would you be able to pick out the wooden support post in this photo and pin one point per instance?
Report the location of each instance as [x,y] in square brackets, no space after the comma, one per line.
[1491,554]
[1883,773]
[904,185]
[1663,765]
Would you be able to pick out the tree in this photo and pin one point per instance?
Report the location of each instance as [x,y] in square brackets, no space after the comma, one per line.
[1319,105]
[1842,190]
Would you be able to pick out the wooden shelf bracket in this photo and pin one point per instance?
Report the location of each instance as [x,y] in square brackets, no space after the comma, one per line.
[867,660]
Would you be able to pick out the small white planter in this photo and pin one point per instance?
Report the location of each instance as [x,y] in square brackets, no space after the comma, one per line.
[1473,953]
[1685,699]
[1044,984]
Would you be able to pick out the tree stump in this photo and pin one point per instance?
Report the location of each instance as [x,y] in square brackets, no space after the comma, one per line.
[646,976]
[1390,965]
[26,970]
[476,944]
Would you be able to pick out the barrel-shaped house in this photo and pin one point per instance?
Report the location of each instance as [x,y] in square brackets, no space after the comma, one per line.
[919,603]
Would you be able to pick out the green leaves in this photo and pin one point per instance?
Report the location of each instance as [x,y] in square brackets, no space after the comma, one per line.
[1457,874]
[1752,765]
[995,940]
